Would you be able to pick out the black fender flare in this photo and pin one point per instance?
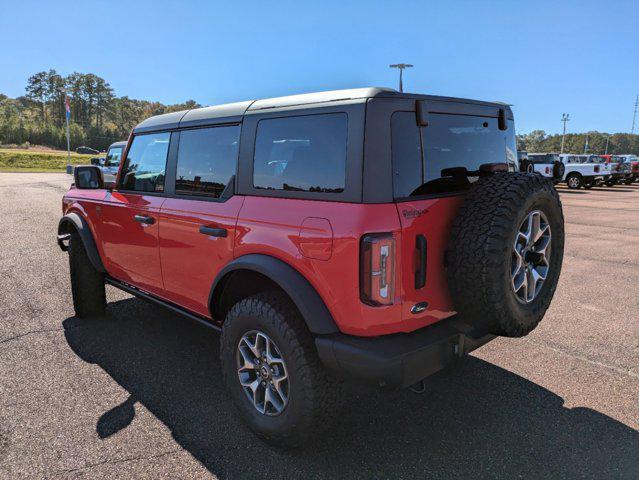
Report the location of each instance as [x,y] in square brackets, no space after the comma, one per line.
[313,309]
[76,221]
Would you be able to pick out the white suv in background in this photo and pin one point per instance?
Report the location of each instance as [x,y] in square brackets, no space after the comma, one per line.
[546,164]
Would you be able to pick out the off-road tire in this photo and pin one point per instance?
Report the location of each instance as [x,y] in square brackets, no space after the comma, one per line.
[578,183]
[610,183]
[313,394]
[87,284]
[628,181]
[481,249]
[588,184]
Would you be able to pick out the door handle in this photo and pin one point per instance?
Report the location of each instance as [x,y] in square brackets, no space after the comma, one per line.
[420,271]
[144,219]
[213,232]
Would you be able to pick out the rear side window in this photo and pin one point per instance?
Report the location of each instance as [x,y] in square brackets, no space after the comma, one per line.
[451,146]
[206,160]
[113,157]
[543,158]
[146,163]
[304,153]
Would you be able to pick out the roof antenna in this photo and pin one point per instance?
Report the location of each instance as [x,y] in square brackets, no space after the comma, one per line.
[401,67]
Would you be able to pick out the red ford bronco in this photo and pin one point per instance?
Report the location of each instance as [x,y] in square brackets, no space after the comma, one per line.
[362,234]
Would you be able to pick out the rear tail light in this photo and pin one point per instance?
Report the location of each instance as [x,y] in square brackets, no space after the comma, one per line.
[596,168]
[377,269]
[547,170]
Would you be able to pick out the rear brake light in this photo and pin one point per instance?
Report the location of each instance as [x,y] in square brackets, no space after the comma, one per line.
[547,170]
[377,269]
[596,168]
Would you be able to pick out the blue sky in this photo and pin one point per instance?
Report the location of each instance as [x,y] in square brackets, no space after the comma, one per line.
[543,57]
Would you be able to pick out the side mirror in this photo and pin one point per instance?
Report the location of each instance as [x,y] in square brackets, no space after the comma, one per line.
[88,177]
[96,161]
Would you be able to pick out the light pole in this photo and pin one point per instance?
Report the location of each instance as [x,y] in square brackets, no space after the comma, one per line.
[565,117]
[607,140]
[634,115]
[401,67]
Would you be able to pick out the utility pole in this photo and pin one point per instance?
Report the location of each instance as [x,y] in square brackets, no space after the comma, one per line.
[634,115]
[401,67]
[607,140]
[565,117]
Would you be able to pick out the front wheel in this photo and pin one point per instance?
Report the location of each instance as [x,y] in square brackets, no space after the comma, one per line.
[611,183]
[87,284]
[272,371]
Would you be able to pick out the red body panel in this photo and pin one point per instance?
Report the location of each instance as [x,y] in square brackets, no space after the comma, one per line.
[271,226]
[321,240]
[130,248]
[190,260]
[432,219]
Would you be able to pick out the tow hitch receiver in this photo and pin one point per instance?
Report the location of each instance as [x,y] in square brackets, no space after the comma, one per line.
[454,365]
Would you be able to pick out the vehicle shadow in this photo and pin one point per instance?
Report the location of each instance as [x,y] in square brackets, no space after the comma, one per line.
[614,189]
[487,422]
[565,190]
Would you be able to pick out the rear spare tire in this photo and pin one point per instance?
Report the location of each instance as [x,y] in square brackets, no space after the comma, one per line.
[558,170]
[506,250]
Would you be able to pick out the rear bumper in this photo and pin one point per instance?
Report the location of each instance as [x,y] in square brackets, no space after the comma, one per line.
[399,360]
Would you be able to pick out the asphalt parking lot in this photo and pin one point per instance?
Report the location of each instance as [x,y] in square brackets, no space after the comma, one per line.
[139,394]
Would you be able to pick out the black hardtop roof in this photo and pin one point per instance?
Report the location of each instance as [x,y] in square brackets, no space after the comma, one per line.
[233,112]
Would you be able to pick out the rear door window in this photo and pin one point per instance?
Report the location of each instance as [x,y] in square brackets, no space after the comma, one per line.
[206,160]
[146,163]
[301,153]
[453,147]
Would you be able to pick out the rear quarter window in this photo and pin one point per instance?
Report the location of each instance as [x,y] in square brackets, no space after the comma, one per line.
[301,153]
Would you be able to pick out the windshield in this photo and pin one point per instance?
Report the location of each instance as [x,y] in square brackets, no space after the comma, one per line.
[113,157]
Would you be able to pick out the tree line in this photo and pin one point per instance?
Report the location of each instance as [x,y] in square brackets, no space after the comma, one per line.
[98,116]
[618,143]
